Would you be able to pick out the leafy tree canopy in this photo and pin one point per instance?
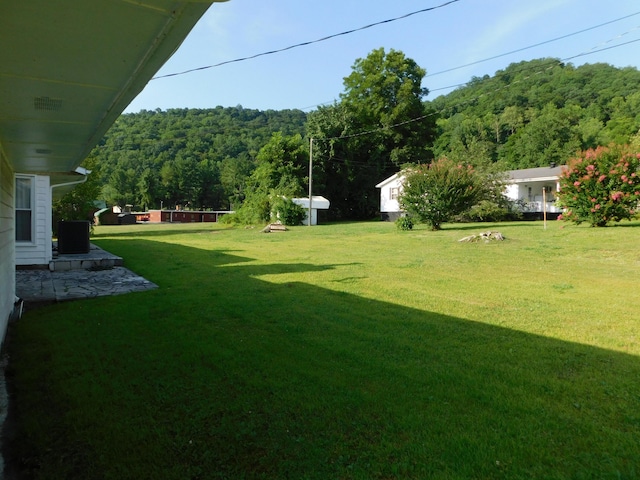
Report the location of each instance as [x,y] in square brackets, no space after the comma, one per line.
[371,132]
[200,158]
[280,173]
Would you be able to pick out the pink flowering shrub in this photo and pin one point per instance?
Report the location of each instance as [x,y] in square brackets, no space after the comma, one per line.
[601,186]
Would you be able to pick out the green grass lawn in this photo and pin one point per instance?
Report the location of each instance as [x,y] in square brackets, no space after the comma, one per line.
[343,351]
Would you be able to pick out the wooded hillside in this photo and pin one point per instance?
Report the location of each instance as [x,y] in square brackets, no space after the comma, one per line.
[535,113]
[194,157]
[530,114]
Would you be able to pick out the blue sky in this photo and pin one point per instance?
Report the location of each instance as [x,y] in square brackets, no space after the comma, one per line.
[458,34]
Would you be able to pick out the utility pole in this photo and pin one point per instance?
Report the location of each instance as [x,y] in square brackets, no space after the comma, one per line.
[544,206]
[310,179]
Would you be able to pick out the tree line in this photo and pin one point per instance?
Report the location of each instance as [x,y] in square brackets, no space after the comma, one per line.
[530,114]
[199,158]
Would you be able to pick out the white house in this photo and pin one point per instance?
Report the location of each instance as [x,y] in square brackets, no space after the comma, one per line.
[68,71]
[523,186]
[317,203]
[34,196]
[390,190]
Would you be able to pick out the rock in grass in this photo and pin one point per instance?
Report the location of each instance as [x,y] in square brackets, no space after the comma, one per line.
[486,236]
[274,227]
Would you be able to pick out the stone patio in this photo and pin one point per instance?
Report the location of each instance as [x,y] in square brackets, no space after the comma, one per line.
[71,277]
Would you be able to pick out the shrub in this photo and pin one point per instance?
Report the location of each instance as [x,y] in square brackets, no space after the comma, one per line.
[601,186]
[254,211]
[491,211]
[288,212]
[435,193]
[404,223]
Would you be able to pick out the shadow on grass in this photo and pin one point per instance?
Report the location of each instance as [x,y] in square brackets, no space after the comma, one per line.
[156,230]
[483,227]
[220,374]
[631,224]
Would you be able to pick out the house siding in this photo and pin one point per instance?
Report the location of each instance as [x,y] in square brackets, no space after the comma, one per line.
[39,251]
[7,236]
[390,207]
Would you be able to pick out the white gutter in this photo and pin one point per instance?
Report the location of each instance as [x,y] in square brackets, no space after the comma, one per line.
[82,171]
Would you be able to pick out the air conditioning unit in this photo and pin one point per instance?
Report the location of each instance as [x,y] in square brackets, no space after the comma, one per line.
[73,237]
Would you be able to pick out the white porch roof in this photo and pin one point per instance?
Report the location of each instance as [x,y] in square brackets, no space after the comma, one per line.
[68,68]
[540,174]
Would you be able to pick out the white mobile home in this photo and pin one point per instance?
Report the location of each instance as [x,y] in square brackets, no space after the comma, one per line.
[534,189]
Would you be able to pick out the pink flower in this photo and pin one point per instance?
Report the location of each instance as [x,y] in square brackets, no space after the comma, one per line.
[560,217]
[615,196]
[597,206]
[601,178]
[576,184]
[624,178]
[590,168]
[594,200]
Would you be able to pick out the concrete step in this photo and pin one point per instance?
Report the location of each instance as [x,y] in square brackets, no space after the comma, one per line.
[96,259]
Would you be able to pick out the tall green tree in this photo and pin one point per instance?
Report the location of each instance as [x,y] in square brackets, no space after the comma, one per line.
[380,123]
[385,90]
[234,174]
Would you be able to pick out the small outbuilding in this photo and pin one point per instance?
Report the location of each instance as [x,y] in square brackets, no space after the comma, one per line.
[317,203]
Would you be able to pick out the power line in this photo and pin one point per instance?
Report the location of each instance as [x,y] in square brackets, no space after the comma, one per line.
[531,46]
[303,44]
[515,51]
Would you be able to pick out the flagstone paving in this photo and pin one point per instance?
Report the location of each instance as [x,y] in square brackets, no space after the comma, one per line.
[48,286]
[96,273]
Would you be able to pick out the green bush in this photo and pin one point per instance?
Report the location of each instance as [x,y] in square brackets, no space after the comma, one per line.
[436,193]
[288,212]
[490,211]
[404,223]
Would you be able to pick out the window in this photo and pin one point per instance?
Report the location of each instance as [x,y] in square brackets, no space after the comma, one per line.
[393,194]
[24,209]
